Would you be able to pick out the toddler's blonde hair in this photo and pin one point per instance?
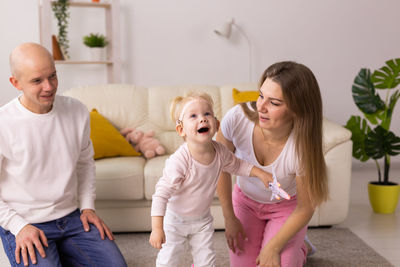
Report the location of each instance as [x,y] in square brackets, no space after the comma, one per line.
[179,102]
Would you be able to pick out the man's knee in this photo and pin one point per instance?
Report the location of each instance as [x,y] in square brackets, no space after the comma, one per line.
[112,252]
[91,250]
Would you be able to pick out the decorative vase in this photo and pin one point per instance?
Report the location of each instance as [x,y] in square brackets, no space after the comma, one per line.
[98,53]
[383,198]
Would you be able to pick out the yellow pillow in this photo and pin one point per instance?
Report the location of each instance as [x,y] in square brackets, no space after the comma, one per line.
[107,141]
[244,96]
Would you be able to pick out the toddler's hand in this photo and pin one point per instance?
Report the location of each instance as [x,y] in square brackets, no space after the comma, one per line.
[264,176]
[157,237]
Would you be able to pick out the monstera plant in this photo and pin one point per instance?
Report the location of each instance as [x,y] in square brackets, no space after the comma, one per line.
[371,135]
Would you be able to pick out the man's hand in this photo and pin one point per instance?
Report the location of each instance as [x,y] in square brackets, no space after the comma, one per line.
[235,234]
[89,216]
[26,240]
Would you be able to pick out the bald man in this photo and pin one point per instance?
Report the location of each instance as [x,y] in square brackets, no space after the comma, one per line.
[47,173]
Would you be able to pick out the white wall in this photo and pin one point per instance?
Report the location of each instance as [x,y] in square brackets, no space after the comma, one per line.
[19,23]
[172,42]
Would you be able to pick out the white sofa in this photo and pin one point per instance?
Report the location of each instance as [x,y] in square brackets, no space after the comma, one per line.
[125,184]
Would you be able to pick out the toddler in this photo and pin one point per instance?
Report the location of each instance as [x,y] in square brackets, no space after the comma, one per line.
[186,190]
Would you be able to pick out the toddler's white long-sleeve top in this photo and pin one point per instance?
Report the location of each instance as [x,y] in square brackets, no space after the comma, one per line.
[188,187]
[46,163]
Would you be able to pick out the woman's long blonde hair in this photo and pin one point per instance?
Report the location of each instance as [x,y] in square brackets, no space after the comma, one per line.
[302,94]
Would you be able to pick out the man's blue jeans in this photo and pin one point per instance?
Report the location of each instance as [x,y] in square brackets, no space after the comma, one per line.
[69,245]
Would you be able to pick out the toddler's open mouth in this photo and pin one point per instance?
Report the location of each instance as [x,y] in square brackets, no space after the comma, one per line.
[203,130]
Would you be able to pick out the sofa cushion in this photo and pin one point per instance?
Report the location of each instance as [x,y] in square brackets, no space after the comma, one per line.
[226,94]
[153,171]
[244,96]
[120,178]
[107,141]
[123,105]
[170,140]
[333,134]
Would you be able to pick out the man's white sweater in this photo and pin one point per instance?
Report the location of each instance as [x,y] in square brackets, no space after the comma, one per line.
[46,163]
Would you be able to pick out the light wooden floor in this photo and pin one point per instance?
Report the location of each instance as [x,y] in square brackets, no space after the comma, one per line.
[379,231]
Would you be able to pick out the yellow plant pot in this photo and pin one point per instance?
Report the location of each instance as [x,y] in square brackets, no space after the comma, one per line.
[383,198]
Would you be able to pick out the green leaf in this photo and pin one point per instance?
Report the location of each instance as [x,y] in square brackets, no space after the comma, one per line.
[61,13]
[388,76]
[376,117]
[359,129]
[372,118]
[388,118]
[95,40]
[364,94]
[381,142]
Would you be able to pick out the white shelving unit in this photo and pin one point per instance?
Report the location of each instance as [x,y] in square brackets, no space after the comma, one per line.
[113,62]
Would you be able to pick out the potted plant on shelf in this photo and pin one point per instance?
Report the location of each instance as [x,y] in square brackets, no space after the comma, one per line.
[61,12]
[371,135]
[97,43]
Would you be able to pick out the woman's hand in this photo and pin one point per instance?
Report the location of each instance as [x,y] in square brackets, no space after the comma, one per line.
[268,257]
[235,234]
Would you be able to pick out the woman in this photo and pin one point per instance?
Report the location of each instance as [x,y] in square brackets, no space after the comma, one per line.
[282,134]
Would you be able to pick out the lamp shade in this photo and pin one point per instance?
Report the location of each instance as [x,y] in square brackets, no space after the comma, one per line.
[225,30]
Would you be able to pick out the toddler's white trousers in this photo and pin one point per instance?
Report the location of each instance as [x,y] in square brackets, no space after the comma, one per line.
[197,231]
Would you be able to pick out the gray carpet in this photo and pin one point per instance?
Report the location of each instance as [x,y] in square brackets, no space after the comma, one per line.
[336,247]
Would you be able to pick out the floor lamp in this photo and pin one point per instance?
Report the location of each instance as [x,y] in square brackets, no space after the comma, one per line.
[225,31]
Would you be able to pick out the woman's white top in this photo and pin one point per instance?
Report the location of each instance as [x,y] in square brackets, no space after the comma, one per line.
[238,129]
